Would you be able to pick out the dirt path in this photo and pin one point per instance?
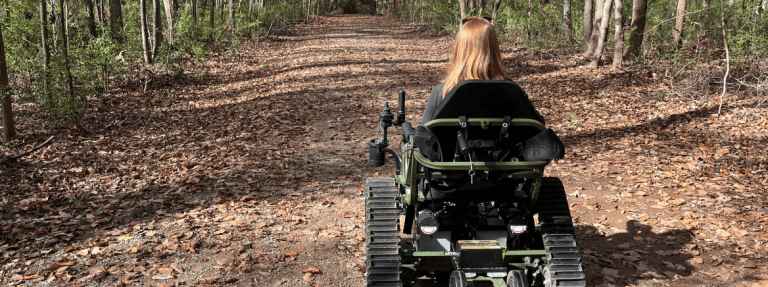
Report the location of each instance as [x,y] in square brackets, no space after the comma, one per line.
[252,174]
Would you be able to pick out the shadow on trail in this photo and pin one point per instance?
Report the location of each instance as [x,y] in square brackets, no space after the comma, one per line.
[638,253]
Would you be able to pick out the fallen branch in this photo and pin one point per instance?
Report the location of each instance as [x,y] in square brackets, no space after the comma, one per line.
[13,158]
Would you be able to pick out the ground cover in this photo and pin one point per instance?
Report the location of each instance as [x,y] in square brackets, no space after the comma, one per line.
[251,172]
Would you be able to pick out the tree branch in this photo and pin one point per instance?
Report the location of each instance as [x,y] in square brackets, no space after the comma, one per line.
[13,158]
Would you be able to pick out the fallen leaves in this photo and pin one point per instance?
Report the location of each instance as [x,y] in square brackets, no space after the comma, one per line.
[308,274]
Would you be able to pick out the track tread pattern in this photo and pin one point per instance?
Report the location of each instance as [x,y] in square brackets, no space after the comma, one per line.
[382,237]
[564,266]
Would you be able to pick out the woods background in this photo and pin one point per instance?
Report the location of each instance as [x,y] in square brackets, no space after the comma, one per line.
[63,66]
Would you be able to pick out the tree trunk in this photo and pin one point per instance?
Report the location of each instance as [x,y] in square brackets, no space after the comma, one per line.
[496,6]
[231,16]
[100,10]
[9,127]
[587,34]
[115,15]
[705,3]
[462,10]
[471,5]
[194,12]
[213,13]
[639,9]
[567,20]
[145,32]
[90,19]
[157,27]
[44,44]
[678,32]
[603,31]
[63,24]
[618,49]
[764,6]
[595,37]
[169,20]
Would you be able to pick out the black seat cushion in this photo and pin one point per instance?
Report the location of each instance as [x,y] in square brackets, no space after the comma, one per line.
[485,99]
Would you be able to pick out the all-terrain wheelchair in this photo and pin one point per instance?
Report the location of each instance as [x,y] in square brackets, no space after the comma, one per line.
[469,203]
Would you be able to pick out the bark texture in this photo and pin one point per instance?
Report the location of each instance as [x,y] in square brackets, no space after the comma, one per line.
[567,20]
[678,32]
[603,31]
[618,49]
[64,46]
[462,10]
[169,19]
[587,33]
[115,15]
[90,18]
[637,29]
[145,32]
[157,27]
[9,126]
[44,44]
[595,37]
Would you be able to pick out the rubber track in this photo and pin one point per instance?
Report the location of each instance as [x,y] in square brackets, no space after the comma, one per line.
[382,237]
[564,267]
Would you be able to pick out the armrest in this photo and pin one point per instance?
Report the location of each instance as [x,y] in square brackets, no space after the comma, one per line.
[407,131]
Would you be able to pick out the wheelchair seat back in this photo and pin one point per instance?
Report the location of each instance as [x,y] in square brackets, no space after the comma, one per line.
[485,99]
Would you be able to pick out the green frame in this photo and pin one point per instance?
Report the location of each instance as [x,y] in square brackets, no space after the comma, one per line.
[516,169]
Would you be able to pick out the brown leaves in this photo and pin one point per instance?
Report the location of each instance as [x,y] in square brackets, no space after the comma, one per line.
[308,274]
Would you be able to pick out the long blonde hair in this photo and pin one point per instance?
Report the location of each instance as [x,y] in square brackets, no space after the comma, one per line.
[476,54]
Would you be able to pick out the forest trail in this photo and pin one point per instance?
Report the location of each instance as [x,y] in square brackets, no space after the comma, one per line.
[252,172]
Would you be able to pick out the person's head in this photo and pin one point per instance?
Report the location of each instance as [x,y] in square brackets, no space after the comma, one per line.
[476,54]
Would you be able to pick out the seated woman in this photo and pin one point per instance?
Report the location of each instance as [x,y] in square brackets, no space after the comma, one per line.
[476,56]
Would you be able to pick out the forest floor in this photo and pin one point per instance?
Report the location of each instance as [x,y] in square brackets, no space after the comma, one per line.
[250,170]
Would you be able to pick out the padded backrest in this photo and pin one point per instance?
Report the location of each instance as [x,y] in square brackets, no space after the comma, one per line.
[487,99]
[484,99]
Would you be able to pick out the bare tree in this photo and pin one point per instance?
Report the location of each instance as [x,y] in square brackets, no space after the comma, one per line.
[678,32]
[618,49]
[169,19]
[115,15]
[193,9]
[231,16]
[637,29]
[567,20]
[9,126]
[90,19]
[462,10]
[157,27]
[64,44]
[145,32]
[44,44]
[213,13]
[497,5]
[595,37]
[603,31]
[587,34]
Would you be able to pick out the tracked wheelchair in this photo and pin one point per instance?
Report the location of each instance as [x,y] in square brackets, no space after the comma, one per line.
[469,203]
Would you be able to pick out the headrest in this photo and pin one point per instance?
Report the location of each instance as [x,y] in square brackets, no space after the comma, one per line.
[487,99]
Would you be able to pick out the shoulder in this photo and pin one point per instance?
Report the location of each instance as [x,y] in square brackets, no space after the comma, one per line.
[438,88]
